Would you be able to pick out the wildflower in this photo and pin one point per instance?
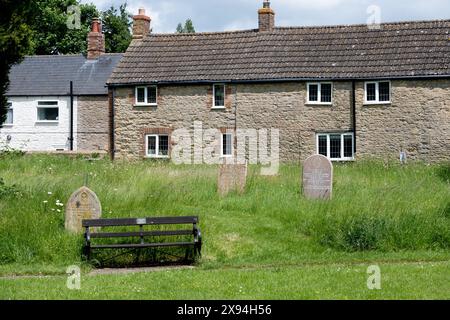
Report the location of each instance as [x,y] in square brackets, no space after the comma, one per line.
[45,201]
[49,193]
[58,210]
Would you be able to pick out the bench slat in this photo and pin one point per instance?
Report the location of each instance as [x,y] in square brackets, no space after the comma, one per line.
[144,245]
[139,234]
[136,222]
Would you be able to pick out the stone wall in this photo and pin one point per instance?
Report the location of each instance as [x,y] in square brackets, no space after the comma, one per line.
[93,123]
[417,119]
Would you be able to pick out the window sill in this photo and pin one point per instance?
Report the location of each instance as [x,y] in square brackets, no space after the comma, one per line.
[47,122]
[319,104]
[343,160]
[157,157]
[145,105]
[366,103]
[8,125]
[218,108]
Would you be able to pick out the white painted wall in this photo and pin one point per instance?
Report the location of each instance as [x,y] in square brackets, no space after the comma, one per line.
[28,134]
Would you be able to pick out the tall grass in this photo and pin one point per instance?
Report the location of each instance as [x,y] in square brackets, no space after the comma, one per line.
[375,206]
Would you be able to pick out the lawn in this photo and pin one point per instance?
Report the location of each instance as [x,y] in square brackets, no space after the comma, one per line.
[267,243]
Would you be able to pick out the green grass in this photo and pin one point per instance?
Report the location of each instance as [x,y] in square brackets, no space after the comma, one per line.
[380,212]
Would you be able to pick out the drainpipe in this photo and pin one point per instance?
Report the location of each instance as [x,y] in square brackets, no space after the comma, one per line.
[354,114]
[112,150]
[71,117]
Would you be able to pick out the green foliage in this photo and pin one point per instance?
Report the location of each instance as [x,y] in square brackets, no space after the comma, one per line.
[116,26]
[8,191]
[187,28]
[14,40]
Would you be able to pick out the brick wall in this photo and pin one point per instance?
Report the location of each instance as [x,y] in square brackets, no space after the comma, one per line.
[93,123]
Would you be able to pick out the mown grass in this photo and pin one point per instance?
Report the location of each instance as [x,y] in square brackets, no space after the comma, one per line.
[330,281]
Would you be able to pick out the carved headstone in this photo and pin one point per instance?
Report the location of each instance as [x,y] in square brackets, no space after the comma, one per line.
[318,178]
[232,177]
[82,204]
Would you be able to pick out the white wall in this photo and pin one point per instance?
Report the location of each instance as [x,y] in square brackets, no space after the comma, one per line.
[29,135]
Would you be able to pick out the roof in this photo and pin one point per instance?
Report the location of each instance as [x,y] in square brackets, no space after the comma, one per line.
[404,49]
[50,75]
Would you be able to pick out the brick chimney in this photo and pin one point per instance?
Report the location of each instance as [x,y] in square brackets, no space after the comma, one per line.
[95,40]
[141,25]
[266,17]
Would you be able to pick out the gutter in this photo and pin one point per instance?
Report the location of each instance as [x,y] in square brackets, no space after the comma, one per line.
[430,77]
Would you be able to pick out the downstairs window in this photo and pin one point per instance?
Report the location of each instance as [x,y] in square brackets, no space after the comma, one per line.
[336,146]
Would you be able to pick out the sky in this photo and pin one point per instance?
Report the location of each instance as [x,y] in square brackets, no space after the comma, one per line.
[220,15]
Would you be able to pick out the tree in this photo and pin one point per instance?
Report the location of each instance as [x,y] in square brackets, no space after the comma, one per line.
[188,27]
[15,41]
[116,26]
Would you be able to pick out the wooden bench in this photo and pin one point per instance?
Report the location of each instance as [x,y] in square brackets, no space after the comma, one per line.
[193,230]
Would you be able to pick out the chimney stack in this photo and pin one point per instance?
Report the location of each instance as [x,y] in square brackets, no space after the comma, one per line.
[141,25]
[95,40]
[266,17]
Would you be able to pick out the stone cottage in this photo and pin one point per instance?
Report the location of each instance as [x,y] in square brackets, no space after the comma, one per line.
[60,102]
[345,92]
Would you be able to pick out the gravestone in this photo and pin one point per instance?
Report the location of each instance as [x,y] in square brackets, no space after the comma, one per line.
[318,178]
[232,177]
[82,204]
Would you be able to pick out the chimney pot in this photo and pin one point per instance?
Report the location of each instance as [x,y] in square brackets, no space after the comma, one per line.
[266,17]
[141,25]
[95,40]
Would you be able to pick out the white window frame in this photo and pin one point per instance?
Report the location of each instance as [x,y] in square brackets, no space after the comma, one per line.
[55,106]
[319,93]
[145,103]
[222,155]
[377,92]
[342,158]
[214,95]
[157,155]
[9,107]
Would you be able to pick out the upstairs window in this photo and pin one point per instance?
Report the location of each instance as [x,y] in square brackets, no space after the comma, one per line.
[157,146]
[9,114]
[147,96]
[336,146]
[378,92]
[48,111]
[219,96]
[320,93]
[227,145]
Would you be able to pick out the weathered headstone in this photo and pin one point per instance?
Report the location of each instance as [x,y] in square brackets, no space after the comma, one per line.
[318,178]
[232,177]
[82,204]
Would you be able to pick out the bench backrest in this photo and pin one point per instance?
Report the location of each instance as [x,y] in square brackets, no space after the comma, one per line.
[139,221]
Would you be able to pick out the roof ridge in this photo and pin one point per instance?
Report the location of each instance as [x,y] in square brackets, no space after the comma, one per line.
[405,22]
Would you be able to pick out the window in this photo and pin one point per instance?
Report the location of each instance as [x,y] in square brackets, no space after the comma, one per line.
[157,146]
[320,93]
[336,146]
[9,114]
[227,145]
[378,92]
[219,96]
[47,111]
[147,96]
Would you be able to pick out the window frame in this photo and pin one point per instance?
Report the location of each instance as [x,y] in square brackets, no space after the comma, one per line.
[9,106]
[157,155]
[50,106]
[377,92]
[319,93]
[145,103]
[342,134]
[222,155]
[214,96]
